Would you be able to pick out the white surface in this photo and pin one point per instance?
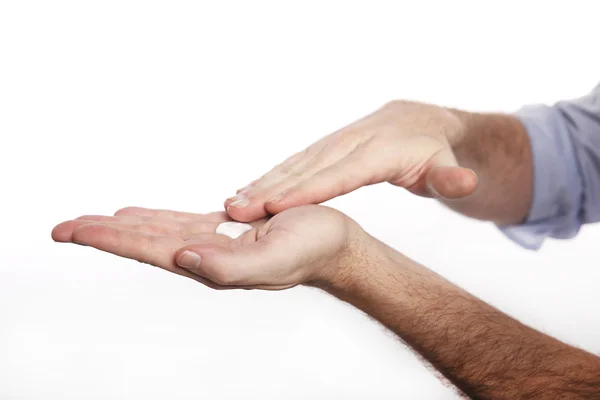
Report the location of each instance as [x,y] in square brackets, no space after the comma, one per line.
[233,229]
[118,103]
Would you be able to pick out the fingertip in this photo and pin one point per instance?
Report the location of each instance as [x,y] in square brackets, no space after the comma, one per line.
[241,193]
[471,179]
[246,214]
[124,211]
[452,183]
[63,232]
[238,214]
[230,200]
[60,233]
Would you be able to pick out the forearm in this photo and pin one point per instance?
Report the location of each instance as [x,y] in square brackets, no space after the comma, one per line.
[496,147]
[485,353]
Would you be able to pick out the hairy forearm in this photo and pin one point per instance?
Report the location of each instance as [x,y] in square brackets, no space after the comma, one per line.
[482,351]
[496,147]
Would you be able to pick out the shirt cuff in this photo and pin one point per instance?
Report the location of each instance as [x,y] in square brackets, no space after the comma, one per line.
[557,187]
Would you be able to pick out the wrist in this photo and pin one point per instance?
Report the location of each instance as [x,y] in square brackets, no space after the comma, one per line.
[363,269]
[346,263]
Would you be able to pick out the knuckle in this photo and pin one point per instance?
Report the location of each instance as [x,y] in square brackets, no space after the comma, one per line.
[294,158]
[344,141]
[394,104]
[289,171]
[288,167]
[146,228]
[124,211]
[284,168]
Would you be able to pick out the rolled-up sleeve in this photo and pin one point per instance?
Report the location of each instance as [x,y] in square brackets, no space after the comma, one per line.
[565,145]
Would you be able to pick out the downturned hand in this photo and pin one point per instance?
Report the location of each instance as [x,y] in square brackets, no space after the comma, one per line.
[404,143]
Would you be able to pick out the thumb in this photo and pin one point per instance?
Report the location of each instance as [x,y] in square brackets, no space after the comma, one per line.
[445,178]
[258,263]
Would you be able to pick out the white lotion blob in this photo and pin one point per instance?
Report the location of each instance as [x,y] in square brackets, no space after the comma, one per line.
[233,229]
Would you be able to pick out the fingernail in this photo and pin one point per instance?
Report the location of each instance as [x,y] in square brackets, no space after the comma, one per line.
[276,198]
[241,202]
[189,259]
[238,196]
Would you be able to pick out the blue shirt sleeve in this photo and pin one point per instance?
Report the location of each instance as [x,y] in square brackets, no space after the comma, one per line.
[565,144]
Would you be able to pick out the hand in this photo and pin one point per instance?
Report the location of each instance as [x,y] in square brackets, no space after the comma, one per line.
[404,143]
[302,245]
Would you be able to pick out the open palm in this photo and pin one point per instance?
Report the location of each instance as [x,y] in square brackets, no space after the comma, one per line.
[294,247]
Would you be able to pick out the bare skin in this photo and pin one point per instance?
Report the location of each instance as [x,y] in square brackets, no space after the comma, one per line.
[477,164]
[483,352]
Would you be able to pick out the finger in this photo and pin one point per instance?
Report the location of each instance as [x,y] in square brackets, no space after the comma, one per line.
[252,205]
[146,248]
[274,175]
[248,204]
[348,174]
[149,249]
[103,218]
[255,264]
[448,180]
[160,226]
[156,225]
[291,166]
[321,154]
[202,241]
[135,238]
[63,232]
[247,207]
[177,215]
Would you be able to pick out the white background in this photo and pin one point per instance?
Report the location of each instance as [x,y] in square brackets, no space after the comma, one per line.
[175,105]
